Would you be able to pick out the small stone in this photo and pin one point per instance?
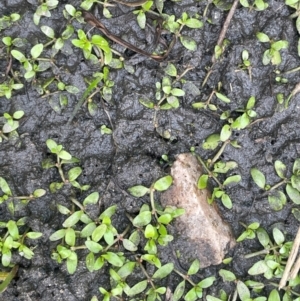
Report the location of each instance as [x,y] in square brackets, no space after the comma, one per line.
[200,232]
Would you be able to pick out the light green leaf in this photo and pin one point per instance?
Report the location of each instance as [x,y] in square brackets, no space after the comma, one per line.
[91,199]
[99,232]
[194,268]
[262,37]
[141,19]
[48,31]
[277,200]
[138,288]
[74,172]
[163,183]
[188,43]
[129,245]
[34,235]
[163,271]
[225,132]
[93,246]
[278,236]
[70,237]
[138,191]
[258,268]
[179,291]
[258,177]
[171,70]
[58,235]
[73,219]
[243,291]
[113,259]
[293,194]
[193,23]
[36,50]
[227,275]
[222,97]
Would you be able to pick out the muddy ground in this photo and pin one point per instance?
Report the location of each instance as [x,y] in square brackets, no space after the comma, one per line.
[132,154]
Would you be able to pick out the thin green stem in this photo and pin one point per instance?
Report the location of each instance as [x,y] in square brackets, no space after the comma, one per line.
[219,153]
[185,277]
[145,272]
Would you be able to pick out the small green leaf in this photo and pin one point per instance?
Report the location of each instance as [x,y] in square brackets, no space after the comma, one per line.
[39,193]
[222,97]
[280,169]
[258,177]
[278,236]
[243,291]
[295,180]
[171,70]
[227,275]
[13,229]
[293,194]
[72,263]
[36,50]
[99,232]
[48,31]
[91,199]
[163,271]
[262,37]
[93,246]
[34,235]
[165,219]
[126,269]
[70,237]
[177,92]
[74,173]
[163,183]
[232,179]
[258,268]
[4,187]
[263,237]
[188,43]
[226,201]
[277,200]
[141,19]
[90,261]
[194,268]
[113,259]
[138,191]
[179,291]
[73,219]
[193,23]
[225,132]
[64,155]
[129,245]
[202,181]
[207,282]
[18,114]
[150,231]
[138,288]
[274,295]
[58,235]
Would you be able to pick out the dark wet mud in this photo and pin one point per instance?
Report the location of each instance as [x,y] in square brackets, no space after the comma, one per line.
[132,154]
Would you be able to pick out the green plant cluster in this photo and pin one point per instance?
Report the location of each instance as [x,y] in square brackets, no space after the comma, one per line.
[277,198]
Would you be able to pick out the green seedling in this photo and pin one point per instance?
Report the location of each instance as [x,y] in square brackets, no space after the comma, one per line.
[275,254]
[62,158]
[105,130]
[258,5]
[43,10]
[33,64]
[9,125]
[8,86]
[59,98]
[219,192]
[15,202]
[177,26]
[272,55]
[58,42]
[167,92]
[196,292]
[277,199]
[7,21]
[12,239]
[98,43]
[207,104]
[70,13]
[246,64]
[141,13]
[249,233]
[219,50]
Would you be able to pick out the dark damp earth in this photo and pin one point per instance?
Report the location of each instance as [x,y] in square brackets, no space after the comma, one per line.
[132,154]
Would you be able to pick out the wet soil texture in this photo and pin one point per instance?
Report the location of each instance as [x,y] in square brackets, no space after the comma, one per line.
[132,154]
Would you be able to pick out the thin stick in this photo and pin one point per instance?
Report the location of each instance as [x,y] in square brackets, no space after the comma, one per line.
[290,261]
[226,25]
[295,269]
